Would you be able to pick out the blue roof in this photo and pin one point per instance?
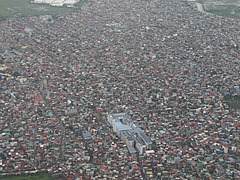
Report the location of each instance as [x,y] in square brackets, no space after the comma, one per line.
[122,126]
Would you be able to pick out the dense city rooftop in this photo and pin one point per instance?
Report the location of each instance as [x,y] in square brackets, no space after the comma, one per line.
[173,69]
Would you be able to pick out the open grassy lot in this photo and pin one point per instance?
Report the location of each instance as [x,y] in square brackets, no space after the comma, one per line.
[20,8]
[233,102]
[38,176]
[226,8]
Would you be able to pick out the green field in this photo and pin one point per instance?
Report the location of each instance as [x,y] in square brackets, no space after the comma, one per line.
[230,8]
[233,102]
[22,8]
[226,11]
[38,176]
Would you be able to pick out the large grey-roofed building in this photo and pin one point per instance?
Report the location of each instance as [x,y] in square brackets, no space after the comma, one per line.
[86,135]
[130,133]
[145,138]
[118,127]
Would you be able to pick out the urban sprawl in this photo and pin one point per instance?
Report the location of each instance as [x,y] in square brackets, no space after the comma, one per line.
[121,89]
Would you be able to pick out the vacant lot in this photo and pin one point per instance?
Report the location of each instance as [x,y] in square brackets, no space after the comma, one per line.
[233,102]
[38,176]
[20,8]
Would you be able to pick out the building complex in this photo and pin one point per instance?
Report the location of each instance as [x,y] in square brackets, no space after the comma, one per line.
[129,132]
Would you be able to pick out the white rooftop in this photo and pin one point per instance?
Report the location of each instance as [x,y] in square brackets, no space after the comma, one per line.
[56,2]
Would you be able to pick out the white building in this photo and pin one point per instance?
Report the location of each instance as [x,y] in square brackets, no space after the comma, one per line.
[68,3]
[130,133]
